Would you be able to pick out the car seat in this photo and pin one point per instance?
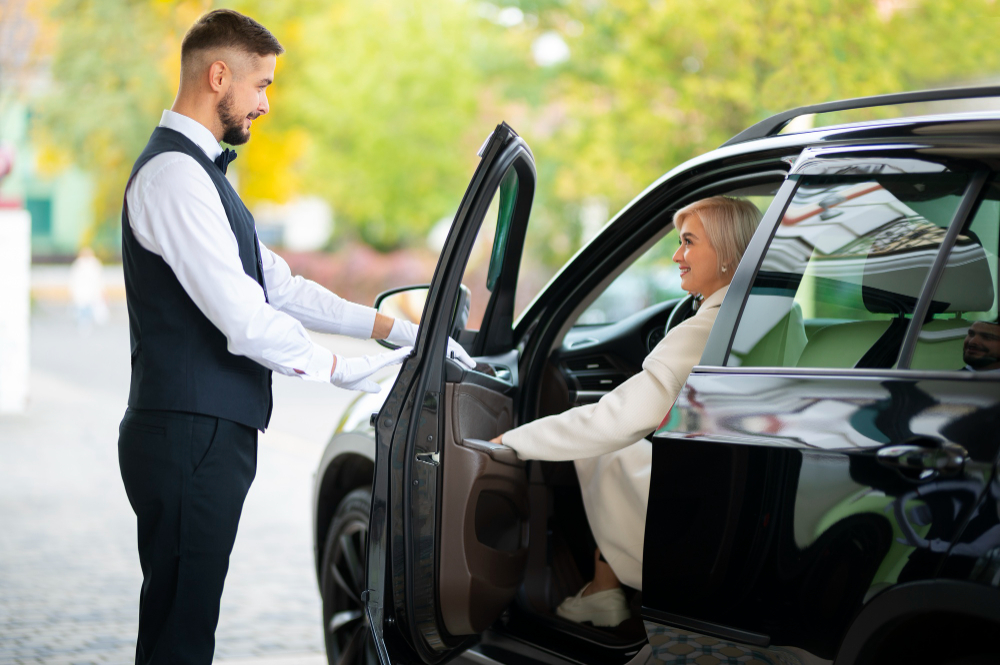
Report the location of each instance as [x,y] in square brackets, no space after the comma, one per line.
[891,284]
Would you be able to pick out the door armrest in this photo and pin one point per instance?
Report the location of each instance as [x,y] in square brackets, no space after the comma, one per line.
[497,451]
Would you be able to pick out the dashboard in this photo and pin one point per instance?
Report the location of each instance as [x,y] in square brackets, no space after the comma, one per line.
[595,359]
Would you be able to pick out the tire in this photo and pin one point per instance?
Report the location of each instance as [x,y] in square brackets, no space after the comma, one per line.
[342,579]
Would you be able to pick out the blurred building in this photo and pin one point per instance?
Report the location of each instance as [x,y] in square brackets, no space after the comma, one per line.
[60,205]
[303,224]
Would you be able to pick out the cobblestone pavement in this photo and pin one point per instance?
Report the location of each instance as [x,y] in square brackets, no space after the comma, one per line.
[69,571]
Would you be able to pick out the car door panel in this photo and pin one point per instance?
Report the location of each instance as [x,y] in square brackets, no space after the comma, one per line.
[447,545]
[797,431]
[484,512]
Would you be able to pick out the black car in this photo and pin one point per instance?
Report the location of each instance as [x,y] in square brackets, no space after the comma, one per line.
[823,489]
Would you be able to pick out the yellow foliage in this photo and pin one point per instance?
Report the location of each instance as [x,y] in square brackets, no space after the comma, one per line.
[270,165]
[50,159]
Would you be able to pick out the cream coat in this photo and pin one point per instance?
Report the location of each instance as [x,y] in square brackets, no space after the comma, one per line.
[607,442]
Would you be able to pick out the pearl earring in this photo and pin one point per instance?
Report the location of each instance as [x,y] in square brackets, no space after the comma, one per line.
[724,268]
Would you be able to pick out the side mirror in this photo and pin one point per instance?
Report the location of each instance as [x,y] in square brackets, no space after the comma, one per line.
[408,302]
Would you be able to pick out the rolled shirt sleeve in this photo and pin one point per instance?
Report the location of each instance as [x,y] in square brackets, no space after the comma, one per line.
[191,233]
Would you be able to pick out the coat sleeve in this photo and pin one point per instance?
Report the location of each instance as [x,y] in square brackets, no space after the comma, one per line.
[626,414]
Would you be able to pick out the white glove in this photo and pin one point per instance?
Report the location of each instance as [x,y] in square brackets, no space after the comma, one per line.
[353,373]
[404,333]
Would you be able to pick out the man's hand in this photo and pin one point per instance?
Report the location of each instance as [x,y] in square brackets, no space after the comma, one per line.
[498,439]
[404,333]
[353,373]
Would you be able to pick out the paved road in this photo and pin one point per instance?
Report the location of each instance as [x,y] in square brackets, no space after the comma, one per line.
[69,572]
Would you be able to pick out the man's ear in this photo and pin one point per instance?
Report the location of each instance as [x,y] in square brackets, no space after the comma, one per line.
[219,76]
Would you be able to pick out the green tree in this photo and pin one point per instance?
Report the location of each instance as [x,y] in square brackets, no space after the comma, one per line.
[652,83]
[379,105]
[375,104]
[388,94]
[112,78]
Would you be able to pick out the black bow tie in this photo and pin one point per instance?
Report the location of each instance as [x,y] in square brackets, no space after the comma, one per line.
[226,156]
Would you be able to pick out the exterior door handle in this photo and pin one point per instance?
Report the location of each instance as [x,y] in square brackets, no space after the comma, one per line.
[941,457]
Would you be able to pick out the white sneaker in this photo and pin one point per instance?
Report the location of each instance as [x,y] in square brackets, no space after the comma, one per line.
[603,608]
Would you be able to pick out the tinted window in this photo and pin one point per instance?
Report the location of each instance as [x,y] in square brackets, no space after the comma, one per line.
[485,261]
[963,332]
[844,270]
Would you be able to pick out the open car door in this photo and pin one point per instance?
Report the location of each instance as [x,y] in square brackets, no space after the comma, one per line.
[448,539]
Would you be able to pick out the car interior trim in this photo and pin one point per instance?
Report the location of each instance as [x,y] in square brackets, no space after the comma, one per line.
[706,627]
[455,372]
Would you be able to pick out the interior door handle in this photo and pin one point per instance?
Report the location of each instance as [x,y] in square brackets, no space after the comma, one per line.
[497,451]
[943,457]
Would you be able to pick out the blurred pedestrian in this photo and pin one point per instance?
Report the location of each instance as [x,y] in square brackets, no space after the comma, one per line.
[86,287]
[212,312]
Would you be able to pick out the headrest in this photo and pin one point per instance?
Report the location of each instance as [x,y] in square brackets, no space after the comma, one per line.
[900,258]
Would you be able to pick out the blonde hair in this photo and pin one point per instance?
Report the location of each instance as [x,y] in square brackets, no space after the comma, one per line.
[729,224]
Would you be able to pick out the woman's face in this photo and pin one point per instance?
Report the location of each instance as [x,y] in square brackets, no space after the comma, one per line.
[697,259]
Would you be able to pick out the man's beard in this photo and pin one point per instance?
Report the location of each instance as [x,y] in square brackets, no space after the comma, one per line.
[978,362]
[232,124]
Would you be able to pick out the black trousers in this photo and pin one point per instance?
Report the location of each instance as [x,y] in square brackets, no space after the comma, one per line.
[186,476]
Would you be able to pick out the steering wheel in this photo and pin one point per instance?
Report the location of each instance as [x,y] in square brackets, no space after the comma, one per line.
[684,310]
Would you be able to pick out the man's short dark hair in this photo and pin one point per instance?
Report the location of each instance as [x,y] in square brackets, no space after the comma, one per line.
[225,28]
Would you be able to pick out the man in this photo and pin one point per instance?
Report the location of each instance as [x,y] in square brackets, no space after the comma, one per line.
[212,312]
[981,349]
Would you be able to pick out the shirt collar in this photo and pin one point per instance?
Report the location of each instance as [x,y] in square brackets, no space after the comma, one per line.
[194,130]
[715,299]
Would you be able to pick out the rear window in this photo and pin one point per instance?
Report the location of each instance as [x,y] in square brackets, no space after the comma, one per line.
[844,270]
[962,331]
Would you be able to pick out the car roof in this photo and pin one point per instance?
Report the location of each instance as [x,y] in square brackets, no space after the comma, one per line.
[952,128]
[925,128]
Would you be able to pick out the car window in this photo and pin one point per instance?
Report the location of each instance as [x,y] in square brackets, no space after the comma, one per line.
[651,279]
[963,332]
[484,261]
[844,270]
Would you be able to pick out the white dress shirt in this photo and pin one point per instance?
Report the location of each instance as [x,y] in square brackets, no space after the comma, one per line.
[175,212]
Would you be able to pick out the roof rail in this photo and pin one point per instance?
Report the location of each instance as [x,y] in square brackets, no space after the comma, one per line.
[773,125]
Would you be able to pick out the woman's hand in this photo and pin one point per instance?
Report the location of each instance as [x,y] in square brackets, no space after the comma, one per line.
[497,439]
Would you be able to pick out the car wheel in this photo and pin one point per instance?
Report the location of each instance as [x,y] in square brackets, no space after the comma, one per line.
[342,579]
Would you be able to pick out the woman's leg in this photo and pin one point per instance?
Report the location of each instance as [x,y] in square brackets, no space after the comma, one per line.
[604,577]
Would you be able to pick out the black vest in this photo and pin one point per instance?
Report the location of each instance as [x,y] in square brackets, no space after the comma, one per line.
[179,358]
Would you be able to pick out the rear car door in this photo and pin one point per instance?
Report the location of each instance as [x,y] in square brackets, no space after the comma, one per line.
[820,455]
[448,539]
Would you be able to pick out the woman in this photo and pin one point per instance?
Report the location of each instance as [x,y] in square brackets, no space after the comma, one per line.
[607,438]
